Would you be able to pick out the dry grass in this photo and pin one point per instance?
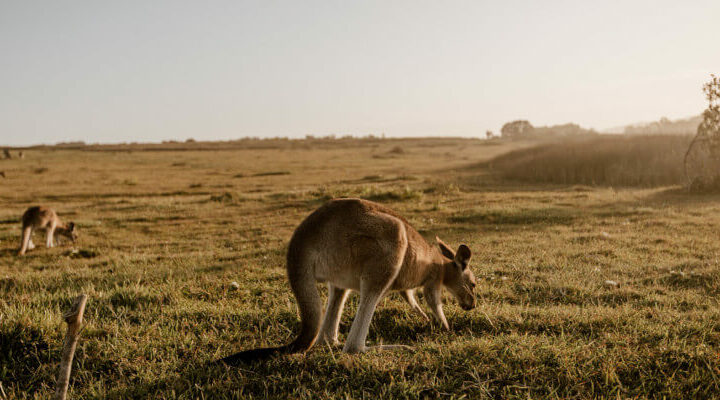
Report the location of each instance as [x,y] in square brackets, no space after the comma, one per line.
[644,161]
[157,259]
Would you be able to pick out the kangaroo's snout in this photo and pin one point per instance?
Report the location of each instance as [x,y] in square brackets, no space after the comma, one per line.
[468,306]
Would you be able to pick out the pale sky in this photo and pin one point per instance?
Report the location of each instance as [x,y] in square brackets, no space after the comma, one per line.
[123,71]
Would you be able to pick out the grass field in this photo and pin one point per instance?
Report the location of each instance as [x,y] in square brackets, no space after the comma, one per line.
[164,233]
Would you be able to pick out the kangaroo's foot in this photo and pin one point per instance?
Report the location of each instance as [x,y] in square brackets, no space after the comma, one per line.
[381,347]
[328,342]
[391,347]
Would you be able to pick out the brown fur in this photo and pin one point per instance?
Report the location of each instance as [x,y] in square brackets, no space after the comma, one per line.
[40,217]
[355,244]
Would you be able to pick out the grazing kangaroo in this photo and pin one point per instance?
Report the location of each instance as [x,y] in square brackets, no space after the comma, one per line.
[39,217]
[355,244]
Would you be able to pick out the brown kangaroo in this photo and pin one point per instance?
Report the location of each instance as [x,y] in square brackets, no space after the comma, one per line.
[39,217]
[355,244]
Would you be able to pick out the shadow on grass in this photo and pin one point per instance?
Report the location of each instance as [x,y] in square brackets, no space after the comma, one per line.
[11,251]
[541,217]
[469,323]
[544,295]
[25,350]
[282,376]
[679,196]
[707,283]
[76,197]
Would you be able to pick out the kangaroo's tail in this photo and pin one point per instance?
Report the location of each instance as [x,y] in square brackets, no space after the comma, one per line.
[303,283]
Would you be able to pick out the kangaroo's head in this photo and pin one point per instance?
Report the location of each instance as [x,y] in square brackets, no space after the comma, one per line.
[459,279]
[68,231]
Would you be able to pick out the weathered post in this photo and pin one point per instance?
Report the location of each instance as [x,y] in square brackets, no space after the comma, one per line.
[74,319]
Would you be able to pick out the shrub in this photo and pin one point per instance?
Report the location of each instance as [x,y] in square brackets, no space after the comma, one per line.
[397,150]
[228,198]
[702,159]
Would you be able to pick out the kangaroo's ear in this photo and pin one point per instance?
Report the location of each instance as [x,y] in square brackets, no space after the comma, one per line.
[445,249]
[71,226]
[462,257]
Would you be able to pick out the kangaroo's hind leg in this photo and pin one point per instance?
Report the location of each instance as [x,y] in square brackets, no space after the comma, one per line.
[50,235]
[361,325]
[333,312]
[377,259]
[26,239]
[373,287]
[355,342]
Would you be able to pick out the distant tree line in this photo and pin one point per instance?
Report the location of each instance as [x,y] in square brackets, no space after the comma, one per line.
[665,126]
[522,129]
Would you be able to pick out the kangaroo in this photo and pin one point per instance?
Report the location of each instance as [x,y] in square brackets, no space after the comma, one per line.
[355,244]
[39,217]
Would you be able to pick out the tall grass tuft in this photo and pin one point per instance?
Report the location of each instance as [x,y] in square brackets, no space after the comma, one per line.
[652,160]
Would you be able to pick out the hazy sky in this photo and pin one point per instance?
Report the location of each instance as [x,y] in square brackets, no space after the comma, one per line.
[103,71]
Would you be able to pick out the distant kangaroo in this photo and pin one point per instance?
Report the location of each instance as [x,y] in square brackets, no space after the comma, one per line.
[39,217]
[355,244]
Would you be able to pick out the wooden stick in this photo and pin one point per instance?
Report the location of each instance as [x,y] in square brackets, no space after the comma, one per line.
[74,319]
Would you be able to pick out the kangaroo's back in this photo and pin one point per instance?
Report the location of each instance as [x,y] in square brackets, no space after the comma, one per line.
[333,243]
[38,217]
